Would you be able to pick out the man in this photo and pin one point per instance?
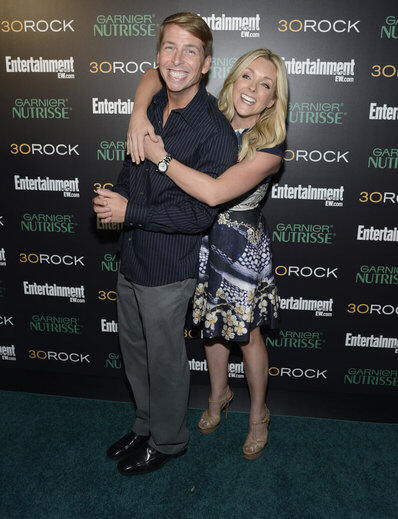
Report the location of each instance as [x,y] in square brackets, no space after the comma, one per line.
[160,246]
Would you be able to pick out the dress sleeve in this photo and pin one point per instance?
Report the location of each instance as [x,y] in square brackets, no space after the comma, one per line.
[279,149]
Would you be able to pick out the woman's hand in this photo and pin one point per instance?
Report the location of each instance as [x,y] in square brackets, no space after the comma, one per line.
[139,127]
[154,149]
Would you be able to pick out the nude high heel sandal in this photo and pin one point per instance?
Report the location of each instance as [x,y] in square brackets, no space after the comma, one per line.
[208,423]
[253,447]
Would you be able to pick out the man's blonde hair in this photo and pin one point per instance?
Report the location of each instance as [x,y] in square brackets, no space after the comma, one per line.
[192,23]
[270,128]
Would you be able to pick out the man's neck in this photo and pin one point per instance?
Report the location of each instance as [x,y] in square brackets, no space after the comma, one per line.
[181,99]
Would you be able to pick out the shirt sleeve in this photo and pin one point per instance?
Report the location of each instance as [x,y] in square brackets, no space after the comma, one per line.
[183,213]
[279,150]
[122,185]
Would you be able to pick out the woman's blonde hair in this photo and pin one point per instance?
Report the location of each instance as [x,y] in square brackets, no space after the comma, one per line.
[270,128]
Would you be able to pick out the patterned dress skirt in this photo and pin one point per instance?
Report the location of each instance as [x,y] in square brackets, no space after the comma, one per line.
[236,289]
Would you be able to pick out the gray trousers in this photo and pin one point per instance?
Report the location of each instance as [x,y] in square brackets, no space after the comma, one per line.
[151,334]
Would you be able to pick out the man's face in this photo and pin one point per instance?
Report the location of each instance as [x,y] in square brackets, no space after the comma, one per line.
[181,59]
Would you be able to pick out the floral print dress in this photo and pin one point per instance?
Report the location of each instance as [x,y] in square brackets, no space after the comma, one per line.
[236,289]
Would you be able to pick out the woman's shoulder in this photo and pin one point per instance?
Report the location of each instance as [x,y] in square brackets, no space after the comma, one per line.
[279,149]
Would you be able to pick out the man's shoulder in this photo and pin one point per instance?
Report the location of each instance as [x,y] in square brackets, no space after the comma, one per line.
[216,119]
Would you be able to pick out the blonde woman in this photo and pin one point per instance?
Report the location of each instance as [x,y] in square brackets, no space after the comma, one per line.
[235,293]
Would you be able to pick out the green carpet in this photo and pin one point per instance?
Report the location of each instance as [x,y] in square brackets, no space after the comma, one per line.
[53,466]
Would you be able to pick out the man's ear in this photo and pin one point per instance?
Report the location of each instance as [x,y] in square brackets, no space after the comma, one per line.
[206,65]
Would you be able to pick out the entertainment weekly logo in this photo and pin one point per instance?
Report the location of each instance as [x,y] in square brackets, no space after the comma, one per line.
[373,234]
[342,71]
[247,26]
[74,294]
[382,112]
[106,107]
[64,68]
[319,112]
[3,261]
[69,187]
[371,341]
[320,307]
[8,352]
[333,197]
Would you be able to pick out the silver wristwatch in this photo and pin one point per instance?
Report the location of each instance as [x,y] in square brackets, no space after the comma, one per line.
[164,164]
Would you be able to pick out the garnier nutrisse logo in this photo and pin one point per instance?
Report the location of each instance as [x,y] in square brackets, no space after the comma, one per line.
[383,158]
[111,150]
[297,340]
[377,275]
[55,324]
[41,108]
[322,234]
[319,112]
[43,222]
[128,25]
[110,262]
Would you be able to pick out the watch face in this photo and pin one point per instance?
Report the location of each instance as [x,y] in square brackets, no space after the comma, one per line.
[162,167]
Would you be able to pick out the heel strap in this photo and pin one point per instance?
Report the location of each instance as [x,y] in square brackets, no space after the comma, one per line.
[226,397]
[263,420]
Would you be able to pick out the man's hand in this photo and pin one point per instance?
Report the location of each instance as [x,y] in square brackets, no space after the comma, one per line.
[110,206]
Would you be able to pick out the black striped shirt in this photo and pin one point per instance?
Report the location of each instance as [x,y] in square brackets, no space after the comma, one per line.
[163,225]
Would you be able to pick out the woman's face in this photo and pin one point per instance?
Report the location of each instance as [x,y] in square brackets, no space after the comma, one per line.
[254,90]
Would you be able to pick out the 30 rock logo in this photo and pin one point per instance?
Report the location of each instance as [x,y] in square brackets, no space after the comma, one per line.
[51,259]
[376,197]
[58,356]
[303,233]
[41,108]
[63,150]
[125,25]
[377,275]
[371,377]
[321,26]
[343,71]
[42,222]
[328,156]
[36,26]
[384,158]
[303,340]
[111,150]
[316,113]
[64,68]
[248,26]
[107,295]
[384,71]
[123,67]
[306,271]
[55,324]
[110,263]
[371,308]
[389,28]
[298,372]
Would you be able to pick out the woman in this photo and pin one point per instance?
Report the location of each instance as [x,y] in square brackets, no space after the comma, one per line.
[235,294]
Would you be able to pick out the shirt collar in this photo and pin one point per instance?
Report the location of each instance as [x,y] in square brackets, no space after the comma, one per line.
[193,111]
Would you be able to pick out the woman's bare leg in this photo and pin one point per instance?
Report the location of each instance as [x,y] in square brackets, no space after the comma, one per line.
[255,360]
[217,355]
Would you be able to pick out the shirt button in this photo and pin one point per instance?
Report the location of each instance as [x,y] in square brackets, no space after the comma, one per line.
[129,239]
[141,193]
[146,169]
[140,225]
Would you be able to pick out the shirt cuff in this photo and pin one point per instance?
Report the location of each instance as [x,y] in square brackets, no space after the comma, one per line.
[136,215]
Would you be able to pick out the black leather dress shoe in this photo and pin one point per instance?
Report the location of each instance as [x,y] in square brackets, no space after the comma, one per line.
[125,445]
[145,459]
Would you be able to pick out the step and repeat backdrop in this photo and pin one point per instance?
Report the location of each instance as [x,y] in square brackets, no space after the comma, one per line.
[69,71]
